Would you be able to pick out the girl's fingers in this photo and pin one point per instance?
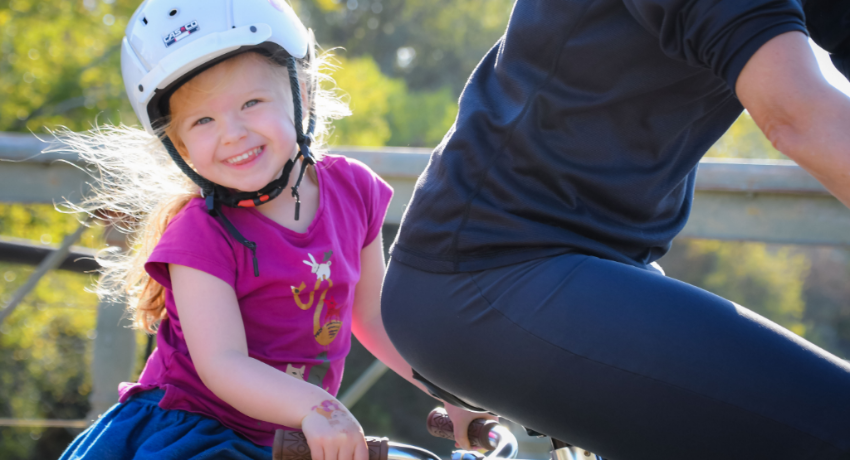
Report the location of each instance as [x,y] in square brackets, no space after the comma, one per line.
[346,450]
[316,449]
[332,451]
[333,433]
[361,452]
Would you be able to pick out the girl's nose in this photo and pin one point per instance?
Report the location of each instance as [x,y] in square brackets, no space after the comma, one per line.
[234,130]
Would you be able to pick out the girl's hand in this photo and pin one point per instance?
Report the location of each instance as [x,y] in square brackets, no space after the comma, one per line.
[333,433]
[461,418]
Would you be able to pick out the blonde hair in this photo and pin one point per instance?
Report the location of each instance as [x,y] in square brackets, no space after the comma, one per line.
[138,189]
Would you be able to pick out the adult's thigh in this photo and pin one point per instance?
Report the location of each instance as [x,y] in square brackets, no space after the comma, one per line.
[629,363]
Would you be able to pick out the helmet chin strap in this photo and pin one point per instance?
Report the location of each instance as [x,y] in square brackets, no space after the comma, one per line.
[216,195]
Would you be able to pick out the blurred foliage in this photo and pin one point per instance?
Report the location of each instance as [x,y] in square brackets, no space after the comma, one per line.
[827,296]
[430,43]
[368,92]
[65,73]
[69,73]
[744,140]
[386,113]
[45,345]
[766,279]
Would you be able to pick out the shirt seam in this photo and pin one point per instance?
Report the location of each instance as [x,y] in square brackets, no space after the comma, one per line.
[479,256]
[233,270]
[509,136]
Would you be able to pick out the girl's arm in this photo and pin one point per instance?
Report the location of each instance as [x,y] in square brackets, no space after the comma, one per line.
[368,327]
[804,117]
[214,332]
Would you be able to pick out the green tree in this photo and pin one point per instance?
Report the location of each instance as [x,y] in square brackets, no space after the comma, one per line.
[767,279]
[385,112]
[368,91]
[421,118]
[441,40]
[744,140]
[59,63]
[45,345]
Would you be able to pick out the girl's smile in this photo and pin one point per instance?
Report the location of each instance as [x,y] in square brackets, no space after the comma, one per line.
[245,158]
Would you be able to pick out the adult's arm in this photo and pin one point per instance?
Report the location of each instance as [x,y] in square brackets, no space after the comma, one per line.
[368,327]
[801,114]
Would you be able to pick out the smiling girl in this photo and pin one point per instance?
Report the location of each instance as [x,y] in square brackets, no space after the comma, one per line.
[252,293]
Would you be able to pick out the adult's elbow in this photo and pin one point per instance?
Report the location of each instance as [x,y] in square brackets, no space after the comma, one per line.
[782,88]
[786,134]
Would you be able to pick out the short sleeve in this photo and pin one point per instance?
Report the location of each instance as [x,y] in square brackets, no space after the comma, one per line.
[194,239]
[377,200]
[721,35]
[827,24]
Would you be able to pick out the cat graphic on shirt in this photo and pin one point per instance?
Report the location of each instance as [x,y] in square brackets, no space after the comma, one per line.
[297,372]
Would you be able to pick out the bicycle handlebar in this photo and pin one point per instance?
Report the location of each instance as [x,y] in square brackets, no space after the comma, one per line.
[483,433]
[292,445]
[479,432]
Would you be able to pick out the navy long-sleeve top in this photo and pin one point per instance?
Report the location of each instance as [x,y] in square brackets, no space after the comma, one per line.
[581,130]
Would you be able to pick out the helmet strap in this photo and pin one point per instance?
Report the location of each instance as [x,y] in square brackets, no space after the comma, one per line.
[215,195]
[304,141]
[206,186]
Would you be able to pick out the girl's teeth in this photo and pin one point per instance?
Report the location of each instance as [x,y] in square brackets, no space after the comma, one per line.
[245,156]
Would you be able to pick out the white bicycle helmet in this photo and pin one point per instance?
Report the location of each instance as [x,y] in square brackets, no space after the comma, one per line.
[168,42]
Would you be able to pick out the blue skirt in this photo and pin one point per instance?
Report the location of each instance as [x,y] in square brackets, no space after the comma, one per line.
[139,429]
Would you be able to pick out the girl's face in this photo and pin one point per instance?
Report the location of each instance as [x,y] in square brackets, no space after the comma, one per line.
[234,122]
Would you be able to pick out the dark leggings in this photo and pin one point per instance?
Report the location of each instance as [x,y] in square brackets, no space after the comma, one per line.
[621,361]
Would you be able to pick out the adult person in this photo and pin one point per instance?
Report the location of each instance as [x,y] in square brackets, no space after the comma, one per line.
[523,280]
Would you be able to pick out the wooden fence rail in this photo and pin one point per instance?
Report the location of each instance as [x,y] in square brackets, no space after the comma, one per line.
[769,201]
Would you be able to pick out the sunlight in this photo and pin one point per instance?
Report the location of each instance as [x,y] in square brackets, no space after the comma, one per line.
[833,76]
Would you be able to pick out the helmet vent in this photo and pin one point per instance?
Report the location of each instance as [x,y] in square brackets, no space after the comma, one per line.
[173,12]
[145,21]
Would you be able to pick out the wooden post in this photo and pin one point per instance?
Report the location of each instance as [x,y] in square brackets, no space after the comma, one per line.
[114,357]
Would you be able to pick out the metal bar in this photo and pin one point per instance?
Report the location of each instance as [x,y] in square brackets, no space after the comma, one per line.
[21,251]
[751,176]
[49,263]
[363,384]
[23,147]
[43,423]
[747,176]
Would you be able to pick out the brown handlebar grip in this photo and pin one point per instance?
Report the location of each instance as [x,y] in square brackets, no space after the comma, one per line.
[441,426]
[292,445]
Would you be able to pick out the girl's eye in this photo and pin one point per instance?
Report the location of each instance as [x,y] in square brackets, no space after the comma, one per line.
[203,121]
[251,103]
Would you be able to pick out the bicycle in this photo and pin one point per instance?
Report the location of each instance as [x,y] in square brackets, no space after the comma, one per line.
[488,435]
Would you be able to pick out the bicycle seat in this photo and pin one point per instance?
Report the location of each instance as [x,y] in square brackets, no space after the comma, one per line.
[444,395]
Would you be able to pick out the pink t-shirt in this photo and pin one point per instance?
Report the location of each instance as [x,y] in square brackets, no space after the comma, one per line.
[297,313]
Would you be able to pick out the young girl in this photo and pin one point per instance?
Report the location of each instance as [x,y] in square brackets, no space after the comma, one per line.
[253,293]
